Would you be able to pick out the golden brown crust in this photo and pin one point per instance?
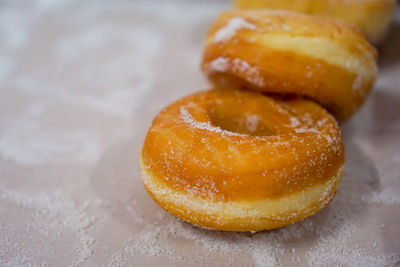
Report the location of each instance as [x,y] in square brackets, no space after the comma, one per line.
[238,160]
[291,53]
[241,215]
[228,146]
[373,17]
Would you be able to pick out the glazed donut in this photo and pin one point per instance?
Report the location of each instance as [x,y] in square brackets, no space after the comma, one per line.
[373,17]
[292,53]
[241,161]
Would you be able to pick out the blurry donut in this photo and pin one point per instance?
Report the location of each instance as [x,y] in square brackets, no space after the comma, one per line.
[373,17]
[291,53]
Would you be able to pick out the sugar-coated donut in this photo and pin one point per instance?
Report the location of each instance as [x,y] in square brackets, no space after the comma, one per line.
[373,17]
[241,161]
[288,52]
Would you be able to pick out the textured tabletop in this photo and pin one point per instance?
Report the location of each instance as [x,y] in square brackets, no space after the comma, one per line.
[79,85]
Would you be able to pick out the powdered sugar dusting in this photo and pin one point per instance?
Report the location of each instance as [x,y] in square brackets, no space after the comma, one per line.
[252,121]
[263,249]
[233,25]
[386,197]
[238,66]
[52,215]
[294,122]
[220,64]
[251,73]
[188,118]
[358,82]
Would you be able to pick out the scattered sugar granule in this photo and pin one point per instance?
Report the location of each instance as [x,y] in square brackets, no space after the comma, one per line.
[220,64]
[252,73]
[188,118]
[286,27]
[385,197]
[234,24]
[358,82]
[252,122]
[223,64]
[294,122]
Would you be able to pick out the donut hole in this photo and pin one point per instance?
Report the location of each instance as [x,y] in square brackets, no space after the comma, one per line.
[248,123]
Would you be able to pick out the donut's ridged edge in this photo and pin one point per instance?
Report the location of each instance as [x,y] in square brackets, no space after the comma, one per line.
[241,215]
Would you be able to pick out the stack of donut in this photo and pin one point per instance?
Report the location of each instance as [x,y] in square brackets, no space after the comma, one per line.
[263,148]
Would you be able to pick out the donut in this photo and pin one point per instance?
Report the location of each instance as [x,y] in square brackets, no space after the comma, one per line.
[291,53]
[238,160]
[373,17]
